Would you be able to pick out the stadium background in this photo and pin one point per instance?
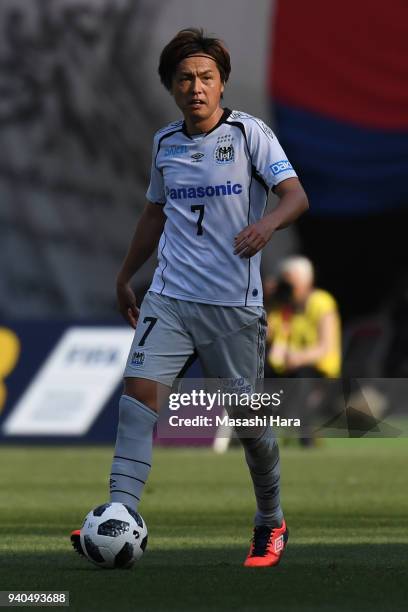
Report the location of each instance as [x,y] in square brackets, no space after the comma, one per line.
[80,101]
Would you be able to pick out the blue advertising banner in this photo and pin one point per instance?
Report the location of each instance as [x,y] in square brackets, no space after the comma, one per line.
[60,381]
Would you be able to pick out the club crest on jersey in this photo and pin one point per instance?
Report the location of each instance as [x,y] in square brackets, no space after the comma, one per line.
[224,152]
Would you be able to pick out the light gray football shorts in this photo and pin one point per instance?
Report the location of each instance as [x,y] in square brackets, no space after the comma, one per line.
[170,334]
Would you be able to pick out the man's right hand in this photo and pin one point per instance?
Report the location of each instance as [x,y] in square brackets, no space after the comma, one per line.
[127,303]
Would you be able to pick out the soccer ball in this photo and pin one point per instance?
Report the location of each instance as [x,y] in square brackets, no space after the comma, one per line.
[113,535]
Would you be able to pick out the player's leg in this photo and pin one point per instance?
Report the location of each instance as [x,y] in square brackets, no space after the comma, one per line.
[238,353]
[132,459]
[160,348]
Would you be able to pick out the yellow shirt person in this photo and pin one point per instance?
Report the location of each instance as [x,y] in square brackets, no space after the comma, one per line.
[305,332]
[299,331]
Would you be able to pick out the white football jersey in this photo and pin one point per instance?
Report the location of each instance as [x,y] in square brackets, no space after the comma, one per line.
[212,186]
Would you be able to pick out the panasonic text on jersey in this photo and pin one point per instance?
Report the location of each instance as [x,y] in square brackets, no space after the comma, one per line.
[209,191]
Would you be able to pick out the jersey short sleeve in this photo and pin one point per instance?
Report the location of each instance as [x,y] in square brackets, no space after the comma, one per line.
[155,192]
[268,157]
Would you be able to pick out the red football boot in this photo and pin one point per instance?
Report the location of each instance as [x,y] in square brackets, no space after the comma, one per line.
[267,546]
[76,542]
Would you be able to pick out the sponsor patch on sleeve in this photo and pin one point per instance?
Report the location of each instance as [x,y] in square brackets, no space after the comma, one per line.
[281,166]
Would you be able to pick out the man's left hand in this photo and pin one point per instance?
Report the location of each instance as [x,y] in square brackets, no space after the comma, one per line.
[253,238]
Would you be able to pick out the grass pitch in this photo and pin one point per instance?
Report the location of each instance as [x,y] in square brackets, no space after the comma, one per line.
[346,505]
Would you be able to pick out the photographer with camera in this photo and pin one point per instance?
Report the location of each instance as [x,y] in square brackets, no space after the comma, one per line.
[304,331]
[303,325]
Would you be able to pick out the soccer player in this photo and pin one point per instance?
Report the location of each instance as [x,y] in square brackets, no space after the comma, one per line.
[210,177]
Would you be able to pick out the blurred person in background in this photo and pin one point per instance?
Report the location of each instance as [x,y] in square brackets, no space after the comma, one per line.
[303,337]
[303,324]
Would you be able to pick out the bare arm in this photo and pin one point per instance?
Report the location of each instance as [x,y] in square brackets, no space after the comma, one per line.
[145,239]
[292,203]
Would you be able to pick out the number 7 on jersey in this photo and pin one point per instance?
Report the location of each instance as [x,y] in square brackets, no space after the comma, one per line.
[200,209]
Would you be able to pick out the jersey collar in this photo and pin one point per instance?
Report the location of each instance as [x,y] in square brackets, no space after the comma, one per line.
[222,119]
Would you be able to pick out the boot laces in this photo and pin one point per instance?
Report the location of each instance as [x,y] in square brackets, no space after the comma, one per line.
[261,540]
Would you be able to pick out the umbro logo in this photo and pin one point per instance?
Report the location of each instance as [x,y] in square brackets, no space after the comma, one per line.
[279,544]
[197,157]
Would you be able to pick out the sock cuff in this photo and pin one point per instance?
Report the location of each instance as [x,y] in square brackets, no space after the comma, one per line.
[147,412]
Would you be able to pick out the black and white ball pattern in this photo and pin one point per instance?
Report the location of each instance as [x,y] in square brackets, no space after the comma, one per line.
[113,536]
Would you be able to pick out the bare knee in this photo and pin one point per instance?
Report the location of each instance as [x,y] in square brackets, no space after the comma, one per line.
[148,392]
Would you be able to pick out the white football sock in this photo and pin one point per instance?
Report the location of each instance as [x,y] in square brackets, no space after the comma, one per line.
[133,451]
[262,456]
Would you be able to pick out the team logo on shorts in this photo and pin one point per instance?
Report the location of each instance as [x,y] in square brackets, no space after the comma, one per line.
[138,358]
[224,152]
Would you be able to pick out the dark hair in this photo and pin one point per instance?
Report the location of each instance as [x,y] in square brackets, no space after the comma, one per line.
[192,41]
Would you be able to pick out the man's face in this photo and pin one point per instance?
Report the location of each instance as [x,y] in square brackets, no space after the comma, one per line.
[197,88]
